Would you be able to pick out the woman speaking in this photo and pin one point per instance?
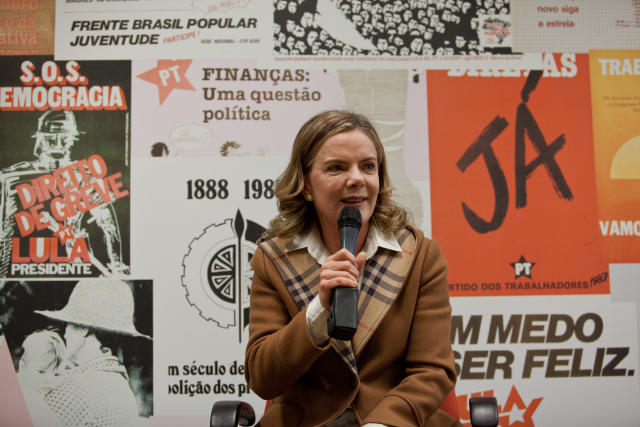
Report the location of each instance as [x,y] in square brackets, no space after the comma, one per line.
[398,367]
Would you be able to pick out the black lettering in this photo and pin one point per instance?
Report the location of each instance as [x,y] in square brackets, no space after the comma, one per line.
[511,329]
[546,153]
[597,363]
[459,330]
[618,353]
[530,361]
[555,360]
[495,364]
[468,364]
[552,331]
[575,365]
[529,328]
[597,327]
[482,146]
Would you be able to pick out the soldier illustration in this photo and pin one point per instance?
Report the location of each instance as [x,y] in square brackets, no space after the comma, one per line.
[56,134]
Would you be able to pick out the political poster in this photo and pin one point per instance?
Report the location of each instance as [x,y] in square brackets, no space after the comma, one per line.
[190,108]
[82,350]
[547,359]
[121,29]
[615,94]
[65,170]
[576,26]
[513,190]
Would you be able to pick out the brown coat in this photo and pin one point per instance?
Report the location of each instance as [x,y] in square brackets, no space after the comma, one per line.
[399,366]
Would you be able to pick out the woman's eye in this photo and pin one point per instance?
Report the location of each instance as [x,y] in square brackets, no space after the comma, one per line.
[334,168]
[369,166]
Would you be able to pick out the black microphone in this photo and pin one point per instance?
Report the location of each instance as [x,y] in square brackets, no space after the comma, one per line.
[343,315]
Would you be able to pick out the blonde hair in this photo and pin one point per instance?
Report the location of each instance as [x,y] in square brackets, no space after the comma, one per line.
[43,350]
[295,214]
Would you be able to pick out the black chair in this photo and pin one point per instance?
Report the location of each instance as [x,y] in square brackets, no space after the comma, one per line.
[231,413]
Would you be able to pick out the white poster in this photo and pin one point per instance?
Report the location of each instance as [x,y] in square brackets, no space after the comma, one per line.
[574,26]
[196,225]
[567,360]
[119,29]
[196,108]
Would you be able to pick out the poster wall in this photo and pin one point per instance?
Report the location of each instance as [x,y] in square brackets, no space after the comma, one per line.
[140,153]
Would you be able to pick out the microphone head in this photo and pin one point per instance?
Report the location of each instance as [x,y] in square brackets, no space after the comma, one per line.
[349,216]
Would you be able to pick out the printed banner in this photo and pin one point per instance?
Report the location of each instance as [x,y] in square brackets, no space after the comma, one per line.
[122,29]
[65,167]
[574,26]
[615,93]
[201,108]
[26,27]
[513,188]
[82,350]
[548,361]
[381,34]
[314,34]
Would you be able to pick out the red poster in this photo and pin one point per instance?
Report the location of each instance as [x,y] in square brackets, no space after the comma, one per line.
[512,179]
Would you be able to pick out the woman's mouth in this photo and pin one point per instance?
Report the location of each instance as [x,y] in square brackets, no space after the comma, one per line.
[354,200]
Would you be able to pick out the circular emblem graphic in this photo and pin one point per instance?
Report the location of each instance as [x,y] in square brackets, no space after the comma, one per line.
[217,271]
[221,273]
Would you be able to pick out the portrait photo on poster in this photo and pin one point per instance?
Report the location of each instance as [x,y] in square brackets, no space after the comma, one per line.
[82,350]
[385,28]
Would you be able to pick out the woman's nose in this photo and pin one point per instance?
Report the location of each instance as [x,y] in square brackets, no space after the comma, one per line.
[355,177]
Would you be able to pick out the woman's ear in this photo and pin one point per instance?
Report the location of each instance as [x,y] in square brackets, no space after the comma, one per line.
[306,191]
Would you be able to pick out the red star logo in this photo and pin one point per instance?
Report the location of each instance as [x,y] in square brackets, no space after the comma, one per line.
[521,414]
[168,75]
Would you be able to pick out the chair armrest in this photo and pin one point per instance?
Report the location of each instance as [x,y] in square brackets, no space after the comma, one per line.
[231,413]
[484,411]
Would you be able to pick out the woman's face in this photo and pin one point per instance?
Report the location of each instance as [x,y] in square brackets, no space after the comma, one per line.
[344,173]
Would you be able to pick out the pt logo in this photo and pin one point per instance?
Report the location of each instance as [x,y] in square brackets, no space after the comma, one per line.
[522,267]
[525,125]
[217,272]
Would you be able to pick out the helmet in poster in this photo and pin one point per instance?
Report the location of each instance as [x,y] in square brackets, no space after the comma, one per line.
[56,134]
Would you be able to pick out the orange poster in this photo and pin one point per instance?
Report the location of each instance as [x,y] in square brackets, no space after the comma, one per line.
[615,91]
[512,179]
[26,27]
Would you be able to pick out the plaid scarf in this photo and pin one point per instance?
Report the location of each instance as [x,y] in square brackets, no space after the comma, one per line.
[382,280]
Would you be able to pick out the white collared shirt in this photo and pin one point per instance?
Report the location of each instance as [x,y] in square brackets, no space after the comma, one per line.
[312,241]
